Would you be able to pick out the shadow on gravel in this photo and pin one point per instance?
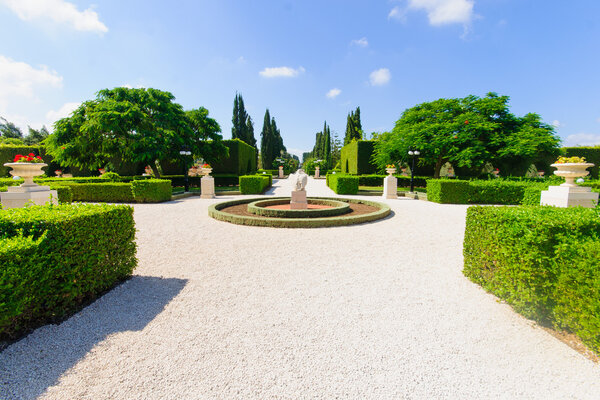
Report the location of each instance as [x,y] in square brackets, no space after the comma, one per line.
[35,363]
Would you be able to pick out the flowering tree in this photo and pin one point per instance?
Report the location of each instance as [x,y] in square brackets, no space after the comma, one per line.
[137,125]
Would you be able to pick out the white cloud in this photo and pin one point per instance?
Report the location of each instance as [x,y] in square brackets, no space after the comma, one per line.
[59,11]
[582,139]
[362,42]
[397,13]
[439,12]
[281,72]
[241,60]
[62,112]
[333,93]
[380,77]
[442,12]
[556,123]
[18,79]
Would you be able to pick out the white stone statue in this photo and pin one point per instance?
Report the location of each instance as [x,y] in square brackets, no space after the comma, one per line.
[300,180]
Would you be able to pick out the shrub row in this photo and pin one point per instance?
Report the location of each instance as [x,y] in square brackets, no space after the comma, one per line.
[541,260]
[56,258]
[274,172]
[255,184]
[484,192]
[194,181]
[403,181]
[342,184]
[141,191]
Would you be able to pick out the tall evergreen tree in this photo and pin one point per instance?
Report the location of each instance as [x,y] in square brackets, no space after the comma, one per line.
[267,143]
[242,128]
[349,129]
[327,146]
[353,127]
[357,123]
[251,140]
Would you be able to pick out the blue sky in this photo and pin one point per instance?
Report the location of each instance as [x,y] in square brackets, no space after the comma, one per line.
[307,61]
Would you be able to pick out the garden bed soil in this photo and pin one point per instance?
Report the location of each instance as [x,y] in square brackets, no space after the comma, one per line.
[308,207]
[355,209]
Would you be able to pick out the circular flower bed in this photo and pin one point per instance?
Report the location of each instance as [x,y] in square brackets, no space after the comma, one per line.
[332,208]
[360,211]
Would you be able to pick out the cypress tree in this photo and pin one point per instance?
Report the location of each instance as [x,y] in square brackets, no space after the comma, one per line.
[250,132]
[236,130]
[267,142]
[327,150]
[349,129]
[357,124]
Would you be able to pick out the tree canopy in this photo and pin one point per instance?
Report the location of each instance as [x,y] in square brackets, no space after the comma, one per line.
[353,127]
[242,127]
[137,125]
[468,132]
[9,130]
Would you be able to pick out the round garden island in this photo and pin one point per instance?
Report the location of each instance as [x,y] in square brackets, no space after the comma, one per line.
[277,213]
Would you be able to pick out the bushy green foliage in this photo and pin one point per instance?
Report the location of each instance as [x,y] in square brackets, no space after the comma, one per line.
[541,260]
[591,154]
[356,157]
[496,192]
[343,184]
[102,192]
[448,191]
[254,184]
[403,181]
[274,172]
[532,193]
[65,193]
[56,258]
[241,159]
[194,181]
[151,190]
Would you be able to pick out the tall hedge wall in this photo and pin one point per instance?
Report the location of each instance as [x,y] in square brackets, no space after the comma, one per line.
[542,260]
[241,160]
[591,154]
[56,258]
[356,157]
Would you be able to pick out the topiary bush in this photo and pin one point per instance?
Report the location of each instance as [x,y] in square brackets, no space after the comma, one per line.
[56,258]
[356,157]
[448,191]
[241,160]
[151,190]
[496,192]
[342,184]
[541,260]
[254,184]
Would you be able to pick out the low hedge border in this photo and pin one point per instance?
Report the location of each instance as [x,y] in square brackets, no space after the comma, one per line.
[102,192]
[542,260]
[215,212]
[258,208]
[56,258]
[151,190]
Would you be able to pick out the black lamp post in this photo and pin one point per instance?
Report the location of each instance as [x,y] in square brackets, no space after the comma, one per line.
[185,153]
[413,154]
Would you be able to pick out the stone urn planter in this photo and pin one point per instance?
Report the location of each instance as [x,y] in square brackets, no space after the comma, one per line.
[390,171]
[206,171]
[26,171]
[571,171]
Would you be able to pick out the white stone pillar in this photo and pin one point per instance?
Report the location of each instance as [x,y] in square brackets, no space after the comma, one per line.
[317,172]
[390,187]
[207,187]
[21,196]
[281,172]
[298,201]
[569,196]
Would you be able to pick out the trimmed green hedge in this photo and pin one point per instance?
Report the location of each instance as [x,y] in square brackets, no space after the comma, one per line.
[403,181]
[496,192]
[194,181]
[151,190]
[67,256]
[356,157]
[541,260]
[274,172]
[447,191]
[102,192]
[241,160]
[591,154]
[254,184]
[342,184]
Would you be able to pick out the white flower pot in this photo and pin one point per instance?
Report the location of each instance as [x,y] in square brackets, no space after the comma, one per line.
[390,171]
[571,171]
[206,171]
[26,171]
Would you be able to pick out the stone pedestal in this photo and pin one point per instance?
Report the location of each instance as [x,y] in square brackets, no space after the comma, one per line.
[390,187]
[317,172]
[298,201]
[21,196]
[207,187]
[280,173]
[569,196]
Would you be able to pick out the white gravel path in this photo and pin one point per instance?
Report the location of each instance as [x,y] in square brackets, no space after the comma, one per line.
[221,311]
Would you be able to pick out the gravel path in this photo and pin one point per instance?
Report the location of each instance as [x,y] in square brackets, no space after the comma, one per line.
[373,311]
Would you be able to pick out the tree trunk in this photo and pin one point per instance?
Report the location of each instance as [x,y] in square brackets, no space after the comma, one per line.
[155,169]
[438,167]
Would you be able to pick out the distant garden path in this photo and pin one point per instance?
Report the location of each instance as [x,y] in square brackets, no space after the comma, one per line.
[373,311]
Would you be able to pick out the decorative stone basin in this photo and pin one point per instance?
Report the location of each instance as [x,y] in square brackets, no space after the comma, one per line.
[26,171]
[571,171]
[316,208]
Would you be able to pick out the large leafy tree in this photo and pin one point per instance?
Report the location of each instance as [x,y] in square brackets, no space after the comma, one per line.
[36,136]
[467,132]
[136,125]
